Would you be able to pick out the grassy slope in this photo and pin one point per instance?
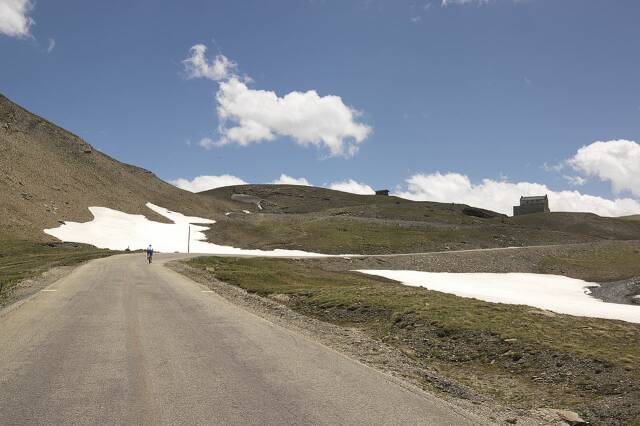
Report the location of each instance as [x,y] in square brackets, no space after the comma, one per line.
[322,220]
[517,354]
[339,235]
[21,259]
[607,262]
[603,261]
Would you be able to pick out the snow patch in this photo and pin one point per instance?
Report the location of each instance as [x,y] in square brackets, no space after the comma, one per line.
[551,292]
[117,230]
[246,211]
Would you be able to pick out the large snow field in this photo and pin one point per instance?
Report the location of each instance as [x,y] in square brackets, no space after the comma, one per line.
[551,292]
[116,230]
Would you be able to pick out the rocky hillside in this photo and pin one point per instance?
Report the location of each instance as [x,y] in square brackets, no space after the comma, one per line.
[48,174]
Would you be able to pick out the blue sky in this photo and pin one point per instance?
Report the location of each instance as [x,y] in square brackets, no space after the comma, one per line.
[490,89]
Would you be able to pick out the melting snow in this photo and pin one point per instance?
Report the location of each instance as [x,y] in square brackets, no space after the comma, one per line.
[551,292]
[246,211]
[116,230]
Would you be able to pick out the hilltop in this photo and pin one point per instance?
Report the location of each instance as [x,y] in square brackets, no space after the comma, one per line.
[319,219]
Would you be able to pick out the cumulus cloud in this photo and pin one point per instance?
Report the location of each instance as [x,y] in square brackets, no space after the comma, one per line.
[288,180]
[198,66]
[501,196]
[14,17]
[247,116]
[353,187]
[615,161]
[204,183]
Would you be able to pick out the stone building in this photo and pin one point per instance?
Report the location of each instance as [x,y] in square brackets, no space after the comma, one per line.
[537,204]
[382,192]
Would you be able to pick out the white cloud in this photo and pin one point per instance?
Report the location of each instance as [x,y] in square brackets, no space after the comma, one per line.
[557,167]
[14,19]
[51,45]
[288,180]
[204,183]
[207,143]
[247,116]
[198,66]
[305,117]
[353,187]
[575,180]
[615,161]
[501,196]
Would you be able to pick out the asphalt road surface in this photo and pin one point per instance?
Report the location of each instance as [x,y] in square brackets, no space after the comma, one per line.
[119,341]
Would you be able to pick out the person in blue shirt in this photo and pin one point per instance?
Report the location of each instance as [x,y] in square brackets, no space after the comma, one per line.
[149,253]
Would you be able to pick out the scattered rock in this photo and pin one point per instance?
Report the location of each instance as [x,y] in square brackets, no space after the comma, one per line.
[543,312]
[636,299]
[248,199]
[476,212]
[570,417]
[280,297]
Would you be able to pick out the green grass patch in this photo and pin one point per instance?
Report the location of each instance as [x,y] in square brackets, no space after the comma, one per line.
[605,263]
[24,259]
[357,235]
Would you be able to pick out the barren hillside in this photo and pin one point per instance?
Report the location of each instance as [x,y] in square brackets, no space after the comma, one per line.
[48,174]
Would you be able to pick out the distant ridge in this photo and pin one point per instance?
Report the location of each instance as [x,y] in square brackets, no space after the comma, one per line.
[328,221]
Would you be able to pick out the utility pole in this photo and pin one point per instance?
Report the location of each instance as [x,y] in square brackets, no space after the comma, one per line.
[189,240]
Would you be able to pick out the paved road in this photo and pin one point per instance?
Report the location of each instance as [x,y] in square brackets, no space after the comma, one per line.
[122,342]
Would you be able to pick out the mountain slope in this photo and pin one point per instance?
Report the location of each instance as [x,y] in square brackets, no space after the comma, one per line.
[48,174]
